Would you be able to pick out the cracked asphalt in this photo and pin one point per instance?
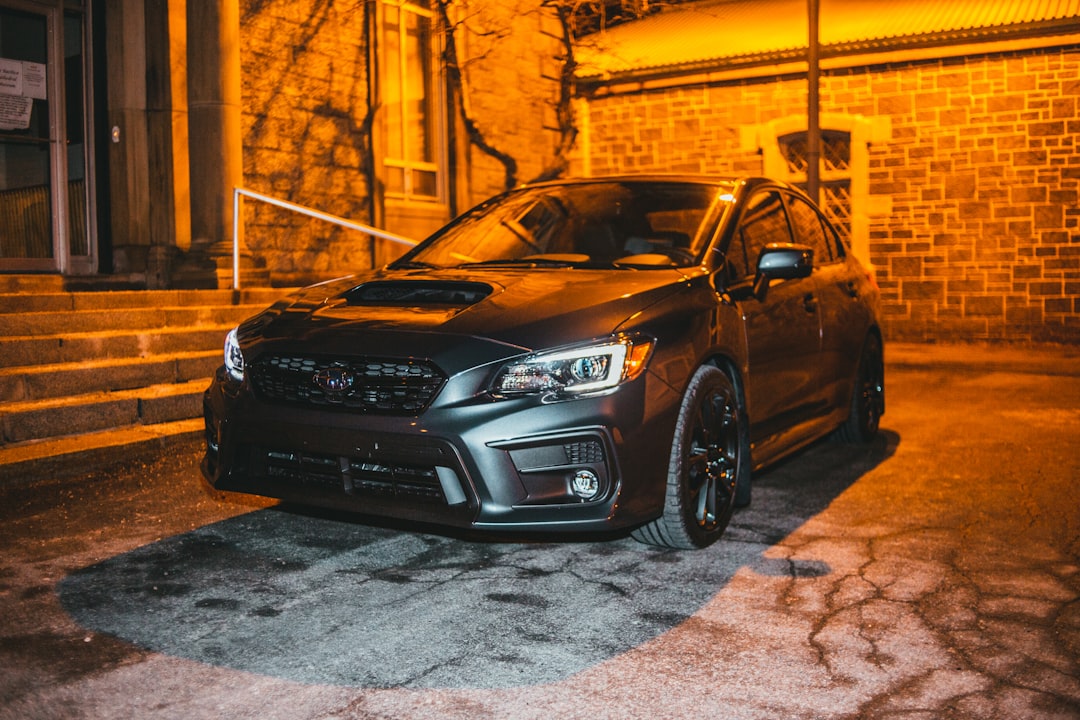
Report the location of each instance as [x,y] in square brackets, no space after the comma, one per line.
[932,574]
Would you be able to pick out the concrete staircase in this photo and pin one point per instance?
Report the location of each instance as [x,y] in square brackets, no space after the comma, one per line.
[89,378]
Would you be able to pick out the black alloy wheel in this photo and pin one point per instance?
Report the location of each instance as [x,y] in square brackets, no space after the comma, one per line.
[708,461]
[867,396]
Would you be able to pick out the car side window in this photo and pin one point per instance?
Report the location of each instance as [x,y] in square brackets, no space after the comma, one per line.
[839,249]
[763,221]
[810,230]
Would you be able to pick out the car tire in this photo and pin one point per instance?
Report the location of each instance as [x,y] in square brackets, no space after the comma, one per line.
[867,396]
[709,460]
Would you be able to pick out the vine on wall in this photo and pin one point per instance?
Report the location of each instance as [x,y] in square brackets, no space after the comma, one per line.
[573,18]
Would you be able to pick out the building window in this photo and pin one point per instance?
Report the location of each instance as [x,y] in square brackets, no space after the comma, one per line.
[845,168]
[835,186]
[412,100]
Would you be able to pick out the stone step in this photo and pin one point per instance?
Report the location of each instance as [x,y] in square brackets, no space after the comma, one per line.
[80,347]
[31,324]
[84,452]
[90,378]
[11,302]
[31,283]
[42,382]
[75,414]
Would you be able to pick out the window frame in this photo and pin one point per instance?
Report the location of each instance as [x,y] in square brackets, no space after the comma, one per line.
[748,270]
[828,237]
[396,159]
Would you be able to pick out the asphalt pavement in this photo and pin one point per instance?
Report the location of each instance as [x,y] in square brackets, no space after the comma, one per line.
[934,573]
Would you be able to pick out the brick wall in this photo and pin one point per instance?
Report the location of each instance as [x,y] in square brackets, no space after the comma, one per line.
[511,58]
[981,171]
[685,130]
[304,83]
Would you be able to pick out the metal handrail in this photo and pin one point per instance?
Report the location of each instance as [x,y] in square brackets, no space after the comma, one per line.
[285,204]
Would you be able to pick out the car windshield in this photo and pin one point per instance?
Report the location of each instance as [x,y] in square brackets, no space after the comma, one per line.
[592,224]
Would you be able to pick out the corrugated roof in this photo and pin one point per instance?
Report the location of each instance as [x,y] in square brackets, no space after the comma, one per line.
[733,32]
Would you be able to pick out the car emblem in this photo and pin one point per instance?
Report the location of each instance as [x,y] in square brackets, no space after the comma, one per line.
[334,380]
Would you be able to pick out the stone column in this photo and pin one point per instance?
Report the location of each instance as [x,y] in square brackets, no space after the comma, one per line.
[214,129]
[166,120]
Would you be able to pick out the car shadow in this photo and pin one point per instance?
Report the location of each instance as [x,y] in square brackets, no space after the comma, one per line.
[315,599]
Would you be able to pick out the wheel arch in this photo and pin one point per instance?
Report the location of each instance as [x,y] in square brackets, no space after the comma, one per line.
[734,371]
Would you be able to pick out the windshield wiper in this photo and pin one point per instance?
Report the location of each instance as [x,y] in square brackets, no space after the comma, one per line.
[521,262]
[412,265]
[545,260]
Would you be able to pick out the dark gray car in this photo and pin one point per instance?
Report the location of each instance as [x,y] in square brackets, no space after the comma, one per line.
[575,356]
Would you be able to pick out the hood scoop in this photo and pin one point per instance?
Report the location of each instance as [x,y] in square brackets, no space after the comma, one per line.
[413,293]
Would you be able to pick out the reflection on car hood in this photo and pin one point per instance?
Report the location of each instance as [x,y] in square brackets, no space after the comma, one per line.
[515,308]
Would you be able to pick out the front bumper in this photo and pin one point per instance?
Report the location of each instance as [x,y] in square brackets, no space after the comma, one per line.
[478,464]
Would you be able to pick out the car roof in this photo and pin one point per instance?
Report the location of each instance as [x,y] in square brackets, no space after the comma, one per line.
[747,181]
[743,184]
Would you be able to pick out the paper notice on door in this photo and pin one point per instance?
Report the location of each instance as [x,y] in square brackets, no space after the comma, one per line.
[23,78]
[34,80]
[20,84]
[15,112]
[11,77]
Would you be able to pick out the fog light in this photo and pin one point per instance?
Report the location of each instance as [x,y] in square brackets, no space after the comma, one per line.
[586,484]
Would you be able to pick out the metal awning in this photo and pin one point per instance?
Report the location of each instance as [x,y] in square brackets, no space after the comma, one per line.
[731,33]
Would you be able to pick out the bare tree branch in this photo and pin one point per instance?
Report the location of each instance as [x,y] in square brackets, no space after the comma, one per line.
[454,74]
[564,110]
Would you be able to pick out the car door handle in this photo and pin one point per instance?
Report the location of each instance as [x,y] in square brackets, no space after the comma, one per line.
[809,303]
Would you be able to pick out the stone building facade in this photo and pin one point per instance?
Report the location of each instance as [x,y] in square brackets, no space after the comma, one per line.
[320,127]
[951,156]
[982,172]
[304,75]
[958,171]
[142,117]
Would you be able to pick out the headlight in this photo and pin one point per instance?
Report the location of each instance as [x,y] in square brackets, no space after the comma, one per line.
[575,370]
[234,359]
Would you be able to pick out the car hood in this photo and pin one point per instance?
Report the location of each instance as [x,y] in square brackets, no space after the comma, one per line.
[435,312]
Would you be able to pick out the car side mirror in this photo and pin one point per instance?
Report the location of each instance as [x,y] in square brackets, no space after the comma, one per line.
[782,261]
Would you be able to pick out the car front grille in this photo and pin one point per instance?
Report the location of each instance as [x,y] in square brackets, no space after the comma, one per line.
[355,476]
[368,384]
